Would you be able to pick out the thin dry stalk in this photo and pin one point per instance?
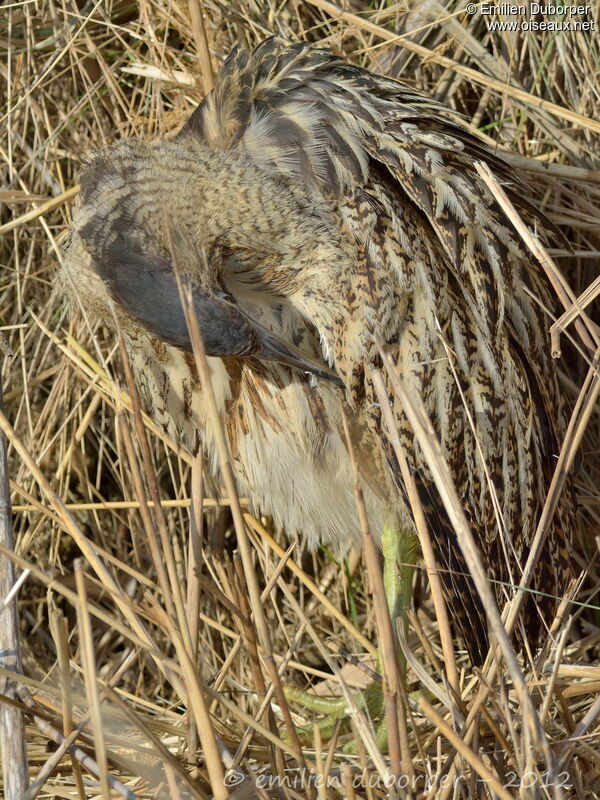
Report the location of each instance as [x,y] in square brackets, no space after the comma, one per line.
[425,435]
[396,705]
[199,30]
[60,634]
[466,752]
[64,197]
[12,728]
[89,670]
[435,582]
[585,327]
[243,542]
[194,567]
[473,75]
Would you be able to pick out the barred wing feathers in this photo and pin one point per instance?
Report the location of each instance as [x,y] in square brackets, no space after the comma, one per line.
[440,277]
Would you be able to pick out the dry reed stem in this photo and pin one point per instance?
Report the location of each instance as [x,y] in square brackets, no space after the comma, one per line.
[242,536]
[439,602]
[89,670]
[13,749]
[396,705]
[64,197]
[465,751]
[60,634]
[120,505]
[425,435]
[491,83]
[194,566]
[586,329]
[206,70]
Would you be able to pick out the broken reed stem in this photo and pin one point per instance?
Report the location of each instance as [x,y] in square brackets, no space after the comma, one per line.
[195,696]
[13,750]
[196,693]
[60,634]
[195,549]
[238,518]
[199,31]
[586,329]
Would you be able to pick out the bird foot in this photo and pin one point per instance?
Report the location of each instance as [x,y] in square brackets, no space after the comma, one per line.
[338,714]
[399,549]
[370,701]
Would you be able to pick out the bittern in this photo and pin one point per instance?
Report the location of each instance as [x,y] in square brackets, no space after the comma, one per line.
[318,211]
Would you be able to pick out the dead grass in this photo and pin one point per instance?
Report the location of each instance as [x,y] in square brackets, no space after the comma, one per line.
[166,652]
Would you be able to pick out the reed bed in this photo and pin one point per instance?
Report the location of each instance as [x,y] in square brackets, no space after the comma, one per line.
[158,618]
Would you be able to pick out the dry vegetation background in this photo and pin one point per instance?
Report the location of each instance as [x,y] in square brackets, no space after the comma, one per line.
[110,645]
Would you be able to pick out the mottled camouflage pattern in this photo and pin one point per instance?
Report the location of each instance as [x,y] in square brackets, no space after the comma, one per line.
[316,207]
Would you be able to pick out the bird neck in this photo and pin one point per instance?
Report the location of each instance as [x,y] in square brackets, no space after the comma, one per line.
[272,238]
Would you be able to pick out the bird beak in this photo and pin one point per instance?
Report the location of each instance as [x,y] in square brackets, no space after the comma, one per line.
[273,349]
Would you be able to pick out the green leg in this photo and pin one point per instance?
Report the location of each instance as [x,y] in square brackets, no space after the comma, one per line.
[399,548]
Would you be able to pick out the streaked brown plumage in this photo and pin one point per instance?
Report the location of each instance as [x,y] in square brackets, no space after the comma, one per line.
[317,207]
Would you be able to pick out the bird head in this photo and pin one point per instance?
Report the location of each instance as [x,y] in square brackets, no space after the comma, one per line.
[155,218]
